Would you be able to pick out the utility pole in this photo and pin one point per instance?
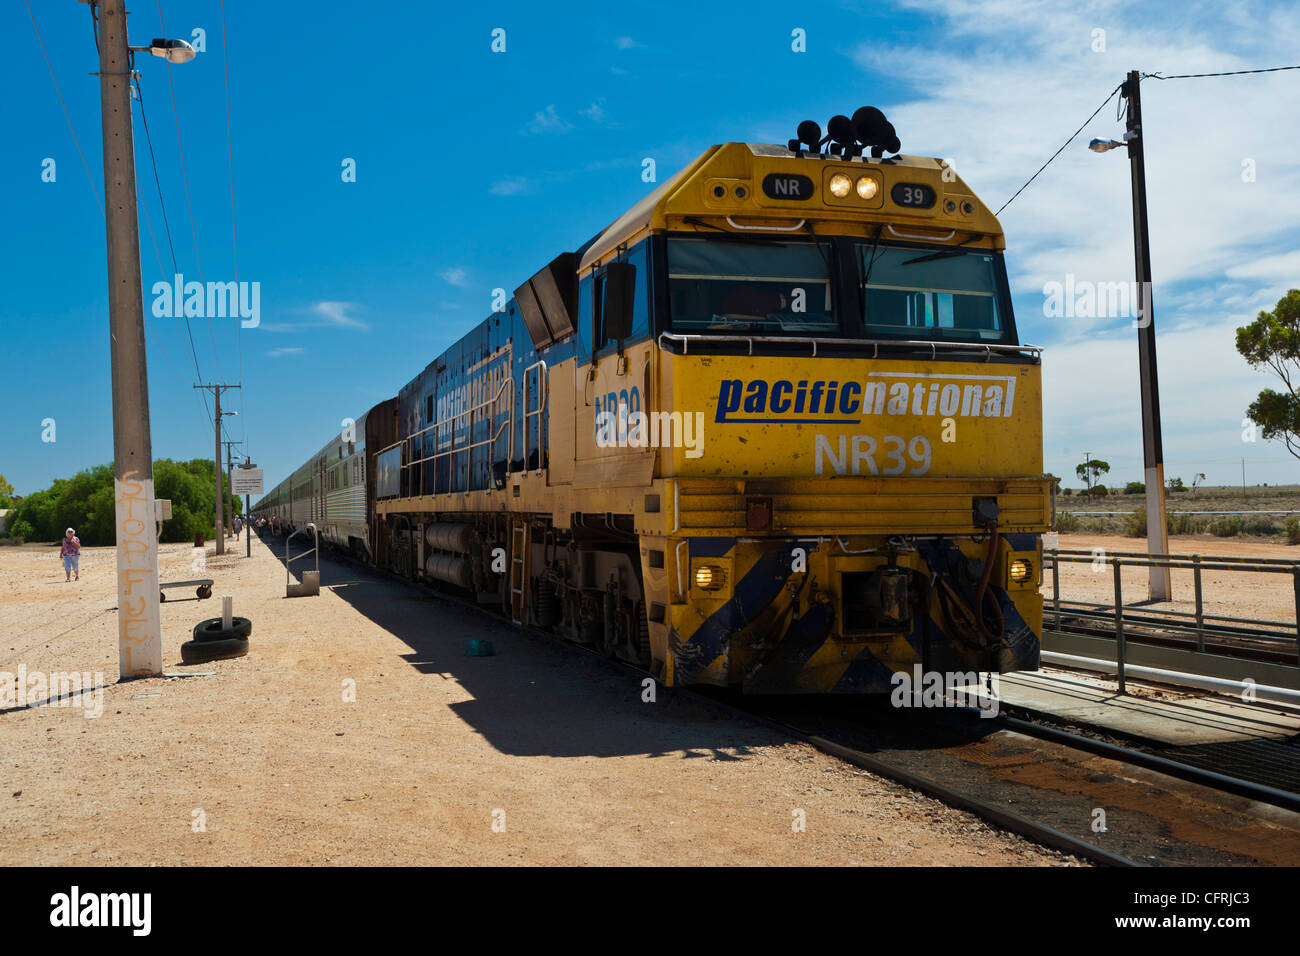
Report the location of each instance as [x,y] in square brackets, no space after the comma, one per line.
[139,632]
[229,471]
[1159,588]
[216,460]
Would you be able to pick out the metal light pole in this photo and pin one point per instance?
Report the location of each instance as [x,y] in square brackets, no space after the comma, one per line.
[139,631]
[1159,588]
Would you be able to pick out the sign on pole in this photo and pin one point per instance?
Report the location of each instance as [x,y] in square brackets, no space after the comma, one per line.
[246,481]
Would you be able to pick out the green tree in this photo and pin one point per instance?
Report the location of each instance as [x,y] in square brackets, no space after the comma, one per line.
[1091,470]
[6,493]
[86,502]
[1174,484]
[1273,341]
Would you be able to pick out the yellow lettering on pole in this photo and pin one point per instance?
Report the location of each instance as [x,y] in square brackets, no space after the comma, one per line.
[139,637]
[133,576]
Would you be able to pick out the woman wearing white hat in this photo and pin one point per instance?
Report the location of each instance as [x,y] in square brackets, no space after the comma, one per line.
[71,555]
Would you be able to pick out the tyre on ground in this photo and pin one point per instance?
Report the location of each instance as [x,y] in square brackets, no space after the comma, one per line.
[212,629]
[201,652]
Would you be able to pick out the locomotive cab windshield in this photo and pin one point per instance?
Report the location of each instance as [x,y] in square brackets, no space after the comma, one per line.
[792,287]
[934,293]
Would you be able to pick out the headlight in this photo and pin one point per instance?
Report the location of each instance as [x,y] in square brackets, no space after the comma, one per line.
[709,577]
[867,187]
[840,185]
[1020,570]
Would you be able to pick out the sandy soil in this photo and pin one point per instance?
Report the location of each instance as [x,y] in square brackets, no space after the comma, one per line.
[262,760]
[1266,596]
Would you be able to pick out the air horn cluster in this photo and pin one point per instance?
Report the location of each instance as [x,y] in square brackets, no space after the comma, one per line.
[868,129]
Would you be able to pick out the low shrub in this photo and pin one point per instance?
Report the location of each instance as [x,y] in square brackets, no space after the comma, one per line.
[1228,526]
[1292,525]
[1263,527]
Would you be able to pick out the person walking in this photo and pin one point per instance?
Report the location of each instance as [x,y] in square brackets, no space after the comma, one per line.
[70,552]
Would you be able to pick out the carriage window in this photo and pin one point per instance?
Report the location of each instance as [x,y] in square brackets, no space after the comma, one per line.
[771,287]
[938,293]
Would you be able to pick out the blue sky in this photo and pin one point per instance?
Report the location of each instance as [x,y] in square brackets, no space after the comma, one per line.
[475,168]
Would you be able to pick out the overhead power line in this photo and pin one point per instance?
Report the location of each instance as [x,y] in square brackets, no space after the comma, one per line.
[66,115]
[1059,151]
[185,178]
[162,204]
[234,241]
[1193,76]
[1153,76]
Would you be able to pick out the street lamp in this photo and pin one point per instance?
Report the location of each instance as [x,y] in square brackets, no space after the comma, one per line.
[173,51]
[1159,588]
[139,632]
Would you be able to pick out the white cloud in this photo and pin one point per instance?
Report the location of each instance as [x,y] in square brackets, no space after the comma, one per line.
[548,121]
[1091,404]
[337,314]
[1000,95]
[626,43]
[293,350]
[595,112]
[510,186]
[455,275]
[320,314]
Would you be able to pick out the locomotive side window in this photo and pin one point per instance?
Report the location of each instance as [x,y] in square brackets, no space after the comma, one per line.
[640,325]
[941,293]
[771,287]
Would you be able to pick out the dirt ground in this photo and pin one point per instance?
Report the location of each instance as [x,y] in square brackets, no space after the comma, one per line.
[263,760]
[1261,595]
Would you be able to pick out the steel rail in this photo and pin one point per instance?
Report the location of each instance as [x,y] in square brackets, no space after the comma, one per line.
[1038,832]
[1172,768]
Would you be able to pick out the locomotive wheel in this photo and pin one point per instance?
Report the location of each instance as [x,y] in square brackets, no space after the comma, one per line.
[204,591]
[209,631]
[162,596]
[200,652]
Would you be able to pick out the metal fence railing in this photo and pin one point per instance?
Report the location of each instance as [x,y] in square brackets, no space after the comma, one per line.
[1211,632]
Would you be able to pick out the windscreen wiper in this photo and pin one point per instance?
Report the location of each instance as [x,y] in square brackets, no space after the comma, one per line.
[943,253]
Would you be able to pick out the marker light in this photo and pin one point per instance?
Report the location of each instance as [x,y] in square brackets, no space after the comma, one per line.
[1019,571]
[708,577]
[840,185]
[867,187]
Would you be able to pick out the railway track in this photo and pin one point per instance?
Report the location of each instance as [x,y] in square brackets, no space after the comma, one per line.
[1249,644]
[992,768]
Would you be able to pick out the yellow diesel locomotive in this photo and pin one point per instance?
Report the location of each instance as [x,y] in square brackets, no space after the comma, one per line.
[773,428]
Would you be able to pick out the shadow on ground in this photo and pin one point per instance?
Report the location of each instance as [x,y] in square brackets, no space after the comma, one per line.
[536,696]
